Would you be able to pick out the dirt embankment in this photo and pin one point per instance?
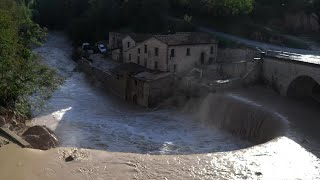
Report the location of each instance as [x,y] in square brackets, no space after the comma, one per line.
[39,137]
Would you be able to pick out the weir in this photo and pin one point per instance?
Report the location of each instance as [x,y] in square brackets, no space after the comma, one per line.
[242,117]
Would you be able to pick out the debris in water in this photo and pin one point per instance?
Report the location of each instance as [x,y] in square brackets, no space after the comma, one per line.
[69,158]
[258,173]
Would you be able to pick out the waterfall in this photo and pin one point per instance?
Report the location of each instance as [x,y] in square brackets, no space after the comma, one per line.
[241,117]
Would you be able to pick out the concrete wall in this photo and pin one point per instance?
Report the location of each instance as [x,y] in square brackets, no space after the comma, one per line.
[281,73]
[186,62]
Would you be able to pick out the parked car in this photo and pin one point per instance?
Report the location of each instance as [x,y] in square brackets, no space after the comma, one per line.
[87,48]
[102,48]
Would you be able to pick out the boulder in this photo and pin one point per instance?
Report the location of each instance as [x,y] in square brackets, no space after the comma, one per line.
[40,137]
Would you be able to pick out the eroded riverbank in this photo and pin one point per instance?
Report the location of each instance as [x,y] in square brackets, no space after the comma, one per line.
[78,114]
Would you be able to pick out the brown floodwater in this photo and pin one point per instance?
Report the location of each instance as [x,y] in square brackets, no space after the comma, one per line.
[207,140]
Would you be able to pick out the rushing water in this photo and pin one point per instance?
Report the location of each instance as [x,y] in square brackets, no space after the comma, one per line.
[83,116]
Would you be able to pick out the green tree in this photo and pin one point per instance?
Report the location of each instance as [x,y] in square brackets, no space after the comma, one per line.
[20,72]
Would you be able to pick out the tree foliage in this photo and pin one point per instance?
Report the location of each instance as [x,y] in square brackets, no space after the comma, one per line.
[92,19]
[20,72]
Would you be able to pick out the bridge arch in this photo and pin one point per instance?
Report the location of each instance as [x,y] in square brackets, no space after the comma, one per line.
[304,87]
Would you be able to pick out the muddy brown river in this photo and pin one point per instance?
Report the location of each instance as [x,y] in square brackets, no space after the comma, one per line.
[112,139]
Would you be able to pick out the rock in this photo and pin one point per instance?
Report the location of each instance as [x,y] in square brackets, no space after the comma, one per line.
[69,158]
[2,121]
[40,137]
[258,173]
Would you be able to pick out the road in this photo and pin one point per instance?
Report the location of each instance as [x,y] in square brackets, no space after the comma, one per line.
[256,44]
[253,44]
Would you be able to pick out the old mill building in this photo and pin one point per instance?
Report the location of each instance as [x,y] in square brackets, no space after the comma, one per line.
[149,62]
[176,53]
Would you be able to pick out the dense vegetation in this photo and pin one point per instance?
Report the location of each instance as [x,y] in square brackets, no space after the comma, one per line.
[21,74]
[92,19]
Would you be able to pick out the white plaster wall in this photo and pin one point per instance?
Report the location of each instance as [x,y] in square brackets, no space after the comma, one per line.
[125,42]
[184,62]
[149,57]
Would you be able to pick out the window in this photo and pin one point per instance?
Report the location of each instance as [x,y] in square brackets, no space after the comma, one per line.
[156,65]
[145,49]
[139,50]
[211,50]
[175,68]
[129,57]
[172,53]
[156,51]
[128,44]
[138,59]
[188,51]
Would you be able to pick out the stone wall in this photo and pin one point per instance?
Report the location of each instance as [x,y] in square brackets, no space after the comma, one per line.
[160,90]
[239,63]
[236,55]
[249,71]
[109,82]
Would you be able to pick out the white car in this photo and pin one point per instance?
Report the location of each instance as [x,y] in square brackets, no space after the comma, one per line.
[102,48]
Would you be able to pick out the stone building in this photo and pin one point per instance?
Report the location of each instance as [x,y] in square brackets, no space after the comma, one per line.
[119,42]
[140,85]
[115,45]
[176,53]
[115,40]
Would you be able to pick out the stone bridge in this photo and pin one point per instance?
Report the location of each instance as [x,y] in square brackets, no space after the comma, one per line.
[292,75]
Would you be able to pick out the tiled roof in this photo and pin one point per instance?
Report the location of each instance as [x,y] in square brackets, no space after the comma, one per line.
[186,38]
[139,37]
